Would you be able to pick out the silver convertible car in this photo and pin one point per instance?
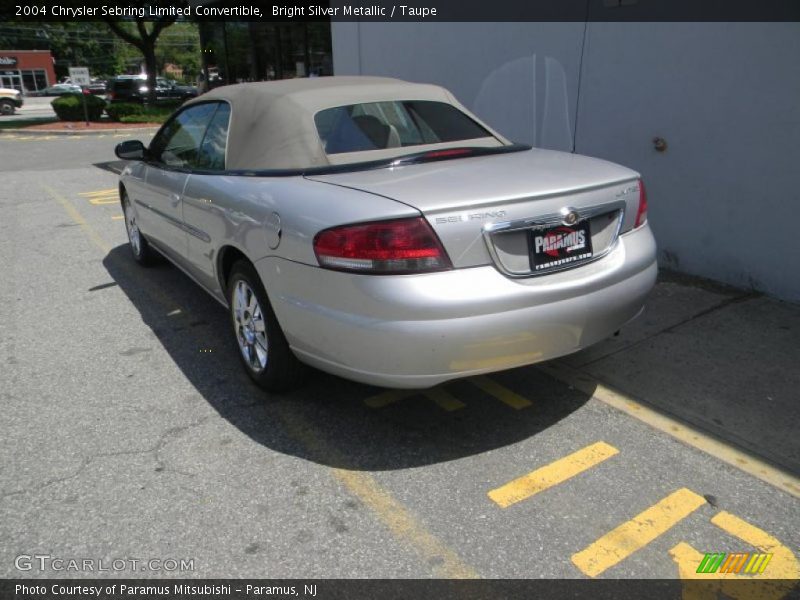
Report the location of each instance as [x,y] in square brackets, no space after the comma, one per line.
[377,230]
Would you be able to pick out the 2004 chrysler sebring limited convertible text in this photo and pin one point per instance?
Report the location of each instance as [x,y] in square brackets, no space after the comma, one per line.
[377,230]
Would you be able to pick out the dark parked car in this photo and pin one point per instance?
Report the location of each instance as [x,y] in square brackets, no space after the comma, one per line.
[133,88]
[169,89]
[126,89]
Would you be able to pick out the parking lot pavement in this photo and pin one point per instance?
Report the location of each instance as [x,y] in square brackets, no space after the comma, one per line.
[131,431]
[33,107]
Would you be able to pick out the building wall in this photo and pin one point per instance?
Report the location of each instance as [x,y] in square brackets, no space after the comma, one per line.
[724,96]
[29,60]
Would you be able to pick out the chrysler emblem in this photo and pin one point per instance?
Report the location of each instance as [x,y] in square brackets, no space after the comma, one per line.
[571,216]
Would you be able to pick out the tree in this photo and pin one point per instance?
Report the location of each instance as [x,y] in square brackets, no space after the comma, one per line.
[73,44]
[145,41]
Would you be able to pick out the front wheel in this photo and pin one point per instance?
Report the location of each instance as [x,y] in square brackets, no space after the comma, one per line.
[263,348]
[6,107]
[140,248]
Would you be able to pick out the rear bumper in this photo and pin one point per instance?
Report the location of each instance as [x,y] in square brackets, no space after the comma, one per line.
[416,331]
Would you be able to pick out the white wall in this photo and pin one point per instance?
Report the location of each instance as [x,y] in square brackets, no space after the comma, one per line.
[725,97]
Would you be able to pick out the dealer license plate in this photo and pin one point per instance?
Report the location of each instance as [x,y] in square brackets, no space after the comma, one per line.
[559,246]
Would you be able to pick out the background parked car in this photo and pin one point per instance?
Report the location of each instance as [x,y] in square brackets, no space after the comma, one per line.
[170,89]
[127,88]
[98,87]
[133,88]
[10,99]
[60,89]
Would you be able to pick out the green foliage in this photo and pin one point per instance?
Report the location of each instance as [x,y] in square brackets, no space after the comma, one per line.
[92,44]
[73,43]
[70,107]
[149,117]
[123,109]
[139,113]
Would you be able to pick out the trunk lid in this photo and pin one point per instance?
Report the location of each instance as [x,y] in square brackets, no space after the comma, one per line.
[489,209]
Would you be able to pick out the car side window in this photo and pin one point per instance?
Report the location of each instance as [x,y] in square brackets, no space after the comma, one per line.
[212,150]
[178,144]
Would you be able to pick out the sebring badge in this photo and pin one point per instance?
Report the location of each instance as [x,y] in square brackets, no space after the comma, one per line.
[570,215]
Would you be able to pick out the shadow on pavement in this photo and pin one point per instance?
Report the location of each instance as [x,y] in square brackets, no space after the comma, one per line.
[326,421]
[112,166]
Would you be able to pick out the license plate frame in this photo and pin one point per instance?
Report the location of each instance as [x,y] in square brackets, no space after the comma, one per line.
[559,246]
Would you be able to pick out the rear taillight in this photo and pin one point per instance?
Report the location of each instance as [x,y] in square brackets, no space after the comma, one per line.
[641,212]
[382,247]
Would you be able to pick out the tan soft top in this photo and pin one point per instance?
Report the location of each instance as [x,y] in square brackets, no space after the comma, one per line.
[272,122]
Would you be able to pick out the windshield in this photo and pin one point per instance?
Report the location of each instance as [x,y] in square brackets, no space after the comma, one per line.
[395,124]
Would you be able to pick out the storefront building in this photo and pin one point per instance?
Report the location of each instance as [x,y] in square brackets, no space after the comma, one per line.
[26,70]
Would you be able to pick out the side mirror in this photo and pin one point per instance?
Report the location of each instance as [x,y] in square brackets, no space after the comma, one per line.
[131,150]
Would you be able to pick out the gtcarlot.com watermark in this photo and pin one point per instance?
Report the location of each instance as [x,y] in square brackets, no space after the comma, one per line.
[59,564]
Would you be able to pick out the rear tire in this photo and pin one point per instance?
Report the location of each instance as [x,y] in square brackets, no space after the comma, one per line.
[6,107]
[263,348]
[141,250]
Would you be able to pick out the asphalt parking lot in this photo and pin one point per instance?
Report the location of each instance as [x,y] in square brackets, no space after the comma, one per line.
[131,430]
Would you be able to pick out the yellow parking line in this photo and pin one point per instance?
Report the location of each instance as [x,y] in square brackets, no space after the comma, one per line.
[449,402]
[500,392]
[444,399]
[399,520]
[78,218]
[98,193]
[556,472]
[679,430]
[388,397]
[624,540]
[108,200]
[117,217]
[783,566]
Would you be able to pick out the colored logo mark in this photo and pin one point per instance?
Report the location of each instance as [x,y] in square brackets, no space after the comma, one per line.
[737,562]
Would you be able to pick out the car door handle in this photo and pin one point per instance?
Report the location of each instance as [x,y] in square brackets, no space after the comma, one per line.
[174,199]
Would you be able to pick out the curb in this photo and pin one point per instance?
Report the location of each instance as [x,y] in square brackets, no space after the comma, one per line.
[23,131]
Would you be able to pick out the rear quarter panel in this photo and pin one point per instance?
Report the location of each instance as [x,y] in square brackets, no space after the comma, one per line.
[234,210]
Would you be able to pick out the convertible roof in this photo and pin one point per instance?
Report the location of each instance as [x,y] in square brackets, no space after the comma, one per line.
[272,122]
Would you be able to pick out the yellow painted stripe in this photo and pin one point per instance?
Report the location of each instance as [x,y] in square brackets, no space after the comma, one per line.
[78,218]
[491,387]
[444,399]
[784,563]
[624,540]
[98,193]
[117,217]
[556,472]
[401,522]
[743,461]
[396,517]
[98,202]
[388,397]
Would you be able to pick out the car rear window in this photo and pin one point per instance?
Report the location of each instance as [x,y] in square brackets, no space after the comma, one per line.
[123,84]
[395,124]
